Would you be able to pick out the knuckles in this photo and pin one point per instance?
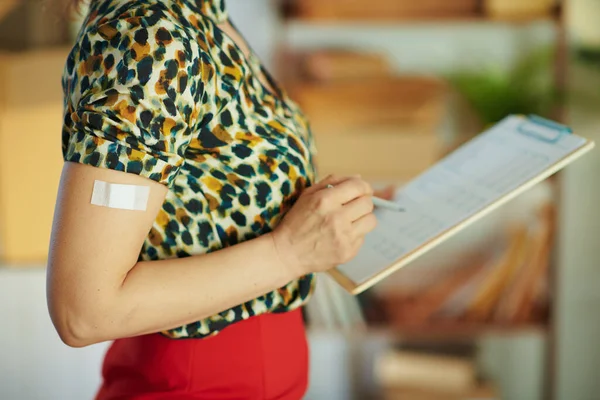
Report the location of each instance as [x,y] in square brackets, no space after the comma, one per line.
[332,178]
[369,205]
[320,201]
[339,232]
[336,225]
[362,185]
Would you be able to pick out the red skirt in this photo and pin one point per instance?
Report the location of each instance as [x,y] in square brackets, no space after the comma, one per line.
[264,357]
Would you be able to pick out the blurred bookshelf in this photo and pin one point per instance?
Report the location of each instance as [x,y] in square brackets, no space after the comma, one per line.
[466,18]
[474,18]
[345,94]
[460,332]
[405,119]
[432,11]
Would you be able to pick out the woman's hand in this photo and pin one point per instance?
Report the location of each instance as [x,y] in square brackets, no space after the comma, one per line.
[326,227]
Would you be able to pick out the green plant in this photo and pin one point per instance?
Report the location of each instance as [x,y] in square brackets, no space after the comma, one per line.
[588,55]
[527,88]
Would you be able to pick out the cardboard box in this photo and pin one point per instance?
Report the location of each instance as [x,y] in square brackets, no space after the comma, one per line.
[383,155]
[387,130]
[331,65]
[31,24]
[421,376]
[426,372]
[402,101]
[31,107]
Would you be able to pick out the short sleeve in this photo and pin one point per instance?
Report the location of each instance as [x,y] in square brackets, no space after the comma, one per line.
[131,87]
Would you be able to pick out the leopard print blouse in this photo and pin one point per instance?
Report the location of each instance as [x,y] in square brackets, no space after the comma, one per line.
[155,88]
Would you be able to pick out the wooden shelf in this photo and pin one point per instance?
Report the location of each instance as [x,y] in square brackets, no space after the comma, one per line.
[458,332]
[291,14]
[420,20]
[440,333]
[467,331]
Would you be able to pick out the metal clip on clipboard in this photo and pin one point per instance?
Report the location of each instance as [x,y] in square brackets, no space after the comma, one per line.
[543,129]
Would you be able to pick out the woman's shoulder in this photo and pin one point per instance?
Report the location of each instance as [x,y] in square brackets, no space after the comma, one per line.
[126,24]
[119,16]
[139,48]
[121,39]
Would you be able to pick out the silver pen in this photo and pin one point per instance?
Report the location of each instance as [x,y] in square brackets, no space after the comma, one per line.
[388,205]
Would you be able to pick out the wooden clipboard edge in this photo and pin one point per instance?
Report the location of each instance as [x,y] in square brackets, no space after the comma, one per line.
[343,280]
[355,288]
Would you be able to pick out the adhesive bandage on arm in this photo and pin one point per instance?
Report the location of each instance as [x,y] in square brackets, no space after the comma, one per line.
[117,195]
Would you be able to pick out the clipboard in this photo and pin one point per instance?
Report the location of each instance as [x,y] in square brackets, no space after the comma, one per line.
[466,185]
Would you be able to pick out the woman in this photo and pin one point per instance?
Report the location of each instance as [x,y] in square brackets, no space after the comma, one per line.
[201,287]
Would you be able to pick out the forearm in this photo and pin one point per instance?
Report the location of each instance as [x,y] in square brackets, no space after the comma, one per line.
[160,295]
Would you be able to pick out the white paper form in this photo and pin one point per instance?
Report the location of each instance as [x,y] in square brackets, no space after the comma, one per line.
[474,177]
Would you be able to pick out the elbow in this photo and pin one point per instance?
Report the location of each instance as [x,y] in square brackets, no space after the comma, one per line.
[76,332]
[82,315]
[74,337]
[77,329]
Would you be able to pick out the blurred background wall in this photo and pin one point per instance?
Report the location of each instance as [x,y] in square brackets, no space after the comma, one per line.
[556,356]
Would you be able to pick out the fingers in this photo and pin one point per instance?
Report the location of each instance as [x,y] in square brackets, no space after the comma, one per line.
[342,191]
[349,190]
[357,208]
[364,224]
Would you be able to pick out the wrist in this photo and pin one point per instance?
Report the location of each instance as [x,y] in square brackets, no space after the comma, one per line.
[286,262]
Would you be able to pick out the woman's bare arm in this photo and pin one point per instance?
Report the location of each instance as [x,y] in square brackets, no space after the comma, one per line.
[97,290]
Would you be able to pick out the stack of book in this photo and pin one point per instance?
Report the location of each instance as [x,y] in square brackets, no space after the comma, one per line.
[504,289]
